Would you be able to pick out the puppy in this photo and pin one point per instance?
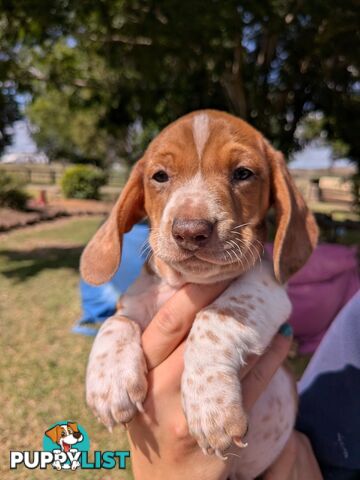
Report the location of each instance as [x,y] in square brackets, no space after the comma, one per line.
[206,183]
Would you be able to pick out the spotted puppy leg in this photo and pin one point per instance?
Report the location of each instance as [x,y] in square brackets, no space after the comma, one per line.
[116,382]
[211,391]
[240,322]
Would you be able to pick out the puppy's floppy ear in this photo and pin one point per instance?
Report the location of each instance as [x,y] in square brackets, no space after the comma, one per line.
[297,232]
[54,433]
[73,426]
[101,257]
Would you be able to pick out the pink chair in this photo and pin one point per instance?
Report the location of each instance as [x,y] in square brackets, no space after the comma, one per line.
[319,291]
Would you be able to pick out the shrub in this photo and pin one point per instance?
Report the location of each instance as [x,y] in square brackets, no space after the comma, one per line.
[12,193]
[82,181]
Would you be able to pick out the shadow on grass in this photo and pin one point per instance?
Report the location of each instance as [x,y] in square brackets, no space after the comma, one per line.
[23,264]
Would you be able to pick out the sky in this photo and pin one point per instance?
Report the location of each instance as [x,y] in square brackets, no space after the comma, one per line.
[22,141]
[309,158]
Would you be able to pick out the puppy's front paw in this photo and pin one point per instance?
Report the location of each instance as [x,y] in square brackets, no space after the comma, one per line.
[116,384]
[213,409]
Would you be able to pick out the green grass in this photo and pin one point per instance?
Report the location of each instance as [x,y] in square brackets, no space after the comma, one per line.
[42,363]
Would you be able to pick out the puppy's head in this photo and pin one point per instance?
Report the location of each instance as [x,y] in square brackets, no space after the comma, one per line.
[65,435]
[206,183]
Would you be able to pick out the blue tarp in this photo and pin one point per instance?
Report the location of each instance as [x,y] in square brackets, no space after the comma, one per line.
[99,303]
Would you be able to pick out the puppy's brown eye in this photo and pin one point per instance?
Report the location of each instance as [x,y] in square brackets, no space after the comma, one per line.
[241,173]
[161,176]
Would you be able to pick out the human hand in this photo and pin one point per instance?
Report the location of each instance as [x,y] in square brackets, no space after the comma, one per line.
[296,462]
[161,444]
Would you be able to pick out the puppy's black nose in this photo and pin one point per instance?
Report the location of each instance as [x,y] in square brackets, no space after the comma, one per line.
[77,434]
[191,234]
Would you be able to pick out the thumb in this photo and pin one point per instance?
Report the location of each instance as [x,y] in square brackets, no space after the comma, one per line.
[174,319]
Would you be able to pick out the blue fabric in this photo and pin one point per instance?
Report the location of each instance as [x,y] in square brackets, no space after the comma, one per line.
[330,397]
[99,303]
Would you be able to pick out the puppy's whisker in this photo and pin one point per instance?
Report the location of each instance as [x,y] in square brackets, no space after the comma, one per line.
[229,256]
[231,252]
[255,243]
[255,253]
[235,257]
[238,258]
[145,249]
[144,246]
[250,248]
[233,454]
[149,256]
[242,225]
[237,248]
[249,243]
[228,251]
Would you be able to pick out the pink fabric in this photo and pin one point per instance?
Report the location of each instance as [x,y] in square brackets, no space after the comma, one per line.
[319,291]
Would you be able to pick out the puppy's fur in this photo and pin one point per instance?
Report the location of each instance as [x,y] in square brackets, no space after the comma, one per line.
[207,216]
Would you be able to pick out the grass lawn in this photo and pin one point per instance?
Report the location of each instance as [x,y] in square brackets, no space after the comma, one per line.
[42,363]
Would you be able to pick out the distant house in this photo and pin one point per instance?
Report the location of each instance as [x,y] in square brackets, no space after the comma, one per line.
[24,157]
[23,149]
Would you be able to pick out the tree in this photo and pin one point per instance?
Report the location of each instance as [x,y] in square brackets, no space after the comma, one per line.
[9,111]
[114,72]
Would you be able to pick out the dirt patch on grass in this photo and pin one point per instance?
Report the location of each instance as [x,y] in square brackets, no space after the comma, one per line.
[11,219]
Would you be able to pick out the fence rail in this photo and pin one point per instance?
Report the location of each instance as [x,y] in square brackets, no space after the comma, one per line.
[51,174]
[324,187]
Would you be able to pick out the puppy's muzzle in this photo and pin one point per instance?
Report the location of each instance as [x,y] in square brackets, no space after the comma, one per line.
[192,234]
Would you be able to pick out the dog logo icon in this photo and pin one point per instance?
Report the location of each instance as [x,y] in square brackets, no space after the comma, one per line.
[66,446]
[67,436]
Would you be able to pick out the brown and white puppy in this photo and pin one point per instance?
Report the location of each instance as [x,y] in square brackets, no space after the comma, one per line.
[206,183]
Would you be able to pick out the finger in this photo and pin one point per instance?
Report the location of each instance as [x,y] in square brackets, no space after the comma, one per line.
[173,321]
[306,465]
[258,378]
[285,330]
[163,394]
[250,364]
[284,466]
[167,375]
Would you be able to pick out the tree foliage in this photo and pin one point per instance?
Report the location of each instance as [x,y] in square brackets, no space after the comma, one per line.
[106,75]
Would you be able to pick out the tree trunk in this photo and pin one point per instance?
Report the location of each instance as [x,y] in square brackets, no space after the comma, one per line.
[233,83]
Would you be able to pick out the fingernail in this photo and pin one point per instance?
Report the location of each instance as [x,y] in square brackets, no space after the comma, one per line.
[286,330]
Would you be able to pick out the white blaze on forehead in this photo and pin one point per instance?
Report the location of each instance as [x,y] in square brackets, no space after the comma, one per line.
[201,131]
